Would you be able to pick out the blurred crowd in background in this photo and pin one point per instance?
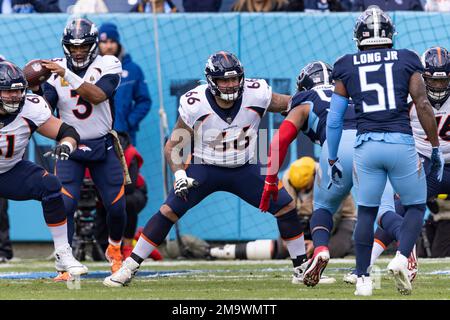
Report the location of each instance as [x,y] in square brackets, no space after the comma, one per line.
[174,6]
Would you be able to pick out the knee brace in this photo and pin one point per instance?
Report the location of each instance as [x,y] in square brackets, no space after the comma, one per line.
[52,201]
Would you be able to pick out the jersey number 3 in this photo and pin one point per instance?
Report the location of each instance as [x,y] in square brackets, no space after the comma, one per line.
[81,102]
[365,86]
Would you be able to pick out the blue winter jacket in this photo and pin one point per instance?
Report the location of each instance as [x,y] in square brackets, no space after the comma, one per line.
[132,100]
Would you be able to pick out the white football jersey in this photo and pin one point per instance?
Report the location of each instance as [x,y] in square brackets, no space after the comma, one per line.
[91,121]
[423,145]
[225,141]
[14,136]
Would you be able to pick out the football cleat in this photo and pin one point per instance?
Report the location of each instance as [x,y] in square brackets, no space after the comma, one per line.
[62,277]
[398,267]
[123,276]
[65,261]
[412,265]
[350,278]
[114,256]
[317,264]
[363,286]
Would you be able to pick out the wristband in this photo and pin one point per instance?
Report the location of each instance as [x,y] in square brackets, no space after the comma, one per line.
[74,80]
[180,174]
[68,144]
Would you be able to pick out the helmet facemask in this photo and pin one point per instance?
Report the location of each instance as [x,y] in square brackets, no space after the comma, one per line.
[228,93]
[83,57]
[13,99]
[438,87]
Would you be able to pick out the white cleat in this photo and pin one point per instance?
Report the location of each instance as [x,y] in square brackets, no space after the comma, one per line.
[124,275]
[65,262]
[363,286]
[413,265]
[350,278]
[398,267]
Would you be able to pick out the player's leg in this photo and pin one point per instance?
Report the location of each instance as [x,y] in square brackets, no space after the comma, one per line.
[71,174]
[370,178]
[326,202]
[29,181]
[109,181]
[159,225]
[247,182]
[405,172]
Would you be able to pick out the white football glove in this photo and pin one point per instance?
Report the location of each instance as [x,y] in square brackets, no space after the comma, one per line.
[183,183]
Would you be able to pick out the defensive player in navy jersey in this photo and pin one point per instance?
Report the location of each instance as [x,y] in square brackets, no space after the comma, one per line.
[378,78]
[82,89]
[436,63]
[222,117]
[21,115]
[308,113]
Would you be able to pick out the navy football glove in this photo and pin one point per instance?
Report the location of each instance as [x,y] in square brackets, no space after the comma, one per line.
[335,173]
[183,183]
[59,152]
[437,163]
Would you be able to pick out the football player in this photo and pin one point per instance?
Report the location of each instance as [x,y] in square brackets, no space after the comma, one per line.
[436,63]
[378,78]
[222,119]
[308,113]
[21,115]
[82,89]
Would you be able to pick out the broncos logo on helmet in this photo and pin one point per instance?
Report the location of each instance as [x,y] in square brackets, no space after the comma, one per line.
[13,87]
[436,62]
[224,65]
[80,43]
[314,74]
[374,27]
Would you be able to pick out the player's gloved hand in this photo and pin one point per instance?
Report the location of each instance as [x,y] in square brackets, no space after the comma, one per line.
[61,151]
[270,190]
[335,173]
[437,163]
[183,183]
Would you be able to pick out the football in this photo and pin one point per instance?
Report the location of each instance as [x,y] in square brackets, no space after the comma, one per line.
[36,73]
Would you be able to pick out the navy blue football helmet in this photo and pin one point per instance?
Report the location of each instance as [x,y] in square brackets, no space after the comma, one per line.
[12,78]
[314,74]
[224,65]
[374,27]
[436,62]
[80,32]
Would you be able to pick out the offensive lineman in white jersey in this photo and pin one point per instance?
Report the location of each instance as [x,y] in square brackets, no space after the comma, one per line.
[20,116]
[222,119]
[82,89]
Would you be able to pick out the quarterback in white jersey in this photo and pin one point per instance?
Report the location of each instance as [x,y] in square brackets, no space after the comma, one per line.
[221,119]
[82,89]
[20,116]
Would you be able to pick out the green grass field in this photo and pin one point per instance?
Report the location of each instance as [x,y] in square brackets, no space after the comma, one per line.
[215,280]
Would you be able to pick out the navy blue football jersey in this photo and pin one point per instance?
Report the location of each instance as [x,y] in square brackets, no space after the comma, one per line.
[319,100]
[378,82]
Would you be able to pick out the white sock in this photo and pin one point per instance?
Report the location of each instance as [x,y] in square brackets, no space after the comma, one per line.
[59,234]
[143,247]
[377,249]
[296,247]
[114,243]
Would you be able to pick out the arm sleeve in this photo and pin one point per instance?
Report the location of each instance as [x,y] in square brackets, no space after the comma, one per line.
[108,83]
[279,147]
[50,95]
[335,121]
[142,101]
